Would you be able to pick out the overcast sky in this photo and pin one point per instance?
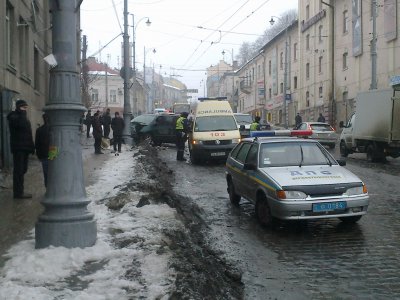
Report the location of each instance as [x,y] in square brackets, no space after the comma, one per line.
[182,49]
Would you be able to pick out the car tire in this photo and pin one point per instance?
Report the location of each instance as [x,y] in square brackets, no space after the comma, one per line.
[194,158]
[371,153]
[350,220]
[233,197]
[343,149]
[156,143]
[263,212]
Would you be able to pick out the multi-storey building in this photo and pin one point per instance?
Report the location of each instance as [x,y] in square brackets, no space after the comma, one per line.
[25,35]
[327,57]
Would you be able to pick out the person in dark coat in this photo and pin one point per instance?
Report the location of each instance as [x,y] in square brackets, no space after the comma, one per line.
[42,143]
[97,133]
[298,119]
[321,118]
[88,122]
[21,141]
[106,122]
[117,125]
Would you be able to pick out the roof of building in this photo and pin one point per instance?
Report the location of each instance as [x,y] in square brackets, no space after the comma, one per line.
[99,68]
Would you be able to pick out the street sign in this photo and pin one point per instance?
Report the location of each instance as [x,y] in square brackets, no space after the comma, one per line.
[288,97]
[192,91]
[395,80]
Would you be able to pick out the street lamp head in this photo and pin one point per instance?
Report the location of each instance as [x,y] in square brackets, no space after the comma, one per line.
[148,22]
[223,52]
[154,51]
[272,21]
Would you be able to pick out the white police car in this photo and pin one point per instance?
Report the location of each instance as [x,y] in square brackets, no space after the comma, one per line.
[290,178]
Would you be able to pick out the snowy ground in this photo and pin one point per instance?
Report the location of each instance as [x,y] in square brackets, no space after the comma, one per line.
[129,259]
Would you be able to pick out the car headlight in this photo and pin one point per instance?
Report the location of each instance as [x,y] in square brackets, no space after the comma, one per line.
[236,141]
[291,195]
[358,190]
[196,142]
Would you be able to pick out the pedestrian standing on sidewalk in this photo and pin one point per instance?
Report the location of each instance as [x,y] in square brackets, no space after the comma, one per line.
[106,122]
[182,129]
[88,122]
[42,143]
[117,125]
[22,145]
[97,133]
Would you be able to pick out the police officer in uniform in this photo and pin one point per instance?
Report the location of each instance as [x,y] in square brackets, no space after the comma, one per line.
[256,124]
[182,129]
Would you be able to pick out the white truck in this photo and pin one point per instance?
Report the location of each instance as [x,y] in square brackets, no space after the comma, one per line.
[374,127]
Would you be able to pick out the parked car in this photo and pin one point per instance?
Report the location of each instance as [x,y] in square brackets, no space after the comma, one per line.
[322,132]
[160,128]
[244,121]
[293,179]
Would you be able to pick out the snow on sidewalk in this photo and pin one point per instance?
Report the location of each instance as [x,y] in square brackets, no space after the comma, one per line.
[129,260]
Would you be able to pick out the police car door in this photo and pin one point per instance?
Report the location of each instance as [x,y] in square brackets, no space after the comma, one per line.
[251,160]
[239,176]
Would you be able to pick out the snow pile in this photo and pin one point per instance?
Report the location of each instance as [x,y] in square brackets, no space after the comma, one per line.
[129,260]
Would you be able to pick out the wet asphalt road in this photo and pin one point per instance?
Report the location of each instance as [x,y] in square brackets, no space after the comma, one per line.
[322,259]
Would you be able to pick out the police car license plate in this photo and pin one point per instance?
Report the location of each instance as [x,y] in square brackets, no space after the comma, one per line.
[329,206]
[217,153]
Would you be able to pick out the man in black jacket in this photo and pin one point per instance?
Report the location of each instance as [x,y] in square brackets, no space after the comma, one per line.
[97,133]
[42,143]
[117,125]
[22,145]
[106,122]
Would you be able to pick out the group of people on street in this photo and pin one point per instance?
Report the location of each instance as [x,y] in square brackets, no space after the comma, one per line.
[101,125]
[22,143]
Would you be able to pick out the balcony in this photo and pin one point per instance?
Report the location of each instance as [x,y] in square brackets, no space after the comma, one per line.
[245,86]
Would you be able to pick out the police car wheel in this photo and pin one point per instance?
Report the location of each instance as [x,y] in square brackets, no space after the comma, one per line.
[233,197]
[263,212]
[350,220]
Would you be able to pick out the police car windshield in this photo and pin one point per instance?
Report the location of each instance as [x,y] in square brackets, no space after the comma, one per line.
[293,154]
[215,123]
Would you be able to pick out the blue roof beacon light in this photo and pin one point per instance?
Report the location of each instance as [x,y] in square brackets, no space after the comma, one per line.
[285,132]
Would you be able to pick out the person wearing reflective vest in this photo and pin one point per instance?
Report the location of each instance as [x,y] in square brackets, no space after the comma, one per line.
[256,124]
[182,129]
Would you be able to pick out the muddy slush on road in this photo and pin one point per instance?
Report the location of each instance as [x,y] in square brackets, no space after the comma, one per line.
[201,272]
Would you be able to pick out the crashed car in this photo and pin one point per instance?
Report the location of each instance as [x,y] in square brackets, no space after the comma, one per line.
[290,178]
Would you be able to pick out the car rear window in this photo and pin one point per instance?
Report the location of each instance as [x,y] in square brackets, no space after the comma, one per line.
[321,127]
[143,119]
[292,154]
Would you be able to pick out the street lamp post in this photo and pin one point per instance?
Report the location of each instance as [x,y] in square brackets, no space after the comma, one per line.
[285,79]
[65,221]
[148,23]
[233,82]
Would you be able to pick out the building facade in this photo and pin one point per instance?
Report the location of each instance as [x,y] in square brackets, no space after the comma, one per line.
[319,63]
[26,40]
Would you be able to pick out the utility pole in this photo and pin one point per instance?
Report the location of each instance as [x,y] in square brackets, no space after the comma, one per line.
[106,73]
[373,47]
[127,72]
[66,221]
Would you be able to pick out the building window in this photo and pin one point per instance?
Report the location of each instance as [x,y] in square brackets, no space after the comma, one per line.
[345,61]
[280,116]
[281,61]
[269,68]
[270,93]
[259,71]
[95,95]
[307,42]
[307,99]
[345,21]
[307,12]
[23,34]
[320,64]
[113,96]
[10,27]
[295,82]
[320,33]
[295,51]
[281,87]
[36,69]
[307,70]
[320,91]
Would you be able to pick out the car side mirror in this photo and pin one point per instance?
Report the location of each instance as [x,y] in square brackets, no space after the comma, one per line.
[249,166]
[341,124]
[341,162]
